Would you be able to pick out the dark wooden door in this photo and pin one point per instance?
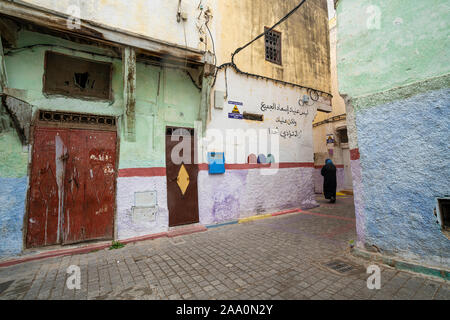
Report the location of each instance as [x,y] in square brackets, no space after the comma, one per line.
[90,186]
[72,186]
[181,173]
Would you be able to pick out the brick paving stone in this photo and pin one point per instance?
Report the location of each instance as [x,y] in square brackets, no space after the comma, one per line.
[443,293]
[274,258]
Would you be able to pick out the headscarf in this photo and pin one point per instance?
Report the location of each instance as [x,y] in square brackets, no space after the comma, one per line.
[328,161]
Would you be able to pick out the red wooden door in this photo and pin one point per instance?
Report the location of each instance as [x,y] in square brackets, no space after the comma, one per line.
[182,193]
[90,186]
[79,194]
[46,187]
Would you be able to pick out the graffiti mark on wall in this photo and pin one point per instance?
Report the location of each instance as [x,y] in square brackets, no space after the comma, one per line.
[288,121]
[290,133]
[288,125]
[288,109]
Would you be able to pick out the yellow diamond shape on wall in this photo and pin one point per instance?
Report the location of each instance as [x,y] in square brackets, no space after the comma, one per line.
[183,179]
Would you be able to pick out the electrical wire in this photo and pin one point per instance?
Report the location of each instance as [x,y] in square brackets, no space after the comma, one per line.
[212,40]
[313,93]
[268,30]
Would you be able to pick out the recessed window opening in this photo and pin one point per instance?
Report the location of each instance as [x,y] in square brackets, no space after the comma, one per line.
[66,117]
[272,46]
[77,77]
[444,212]
[342,135]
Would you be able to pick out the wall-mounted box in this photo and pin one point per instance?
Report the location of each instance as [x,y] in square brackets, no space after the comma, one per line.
[216,162]
[144,214]
[145,207]
[145,199]
[219,99]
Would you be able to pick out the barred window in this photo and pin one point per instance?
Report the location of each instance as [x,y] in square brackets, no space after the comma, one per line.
[273,46]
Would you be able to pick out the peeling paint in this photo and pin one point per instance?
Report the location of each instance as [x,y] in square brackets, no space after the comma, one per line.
[60,154]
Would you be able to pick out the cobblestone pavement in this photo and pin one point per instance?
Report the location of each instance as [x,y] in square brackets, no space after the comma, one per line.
[275,258]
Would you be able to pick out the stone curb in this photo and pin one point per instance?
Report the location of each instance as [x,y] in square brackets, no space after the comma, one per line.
[402,265]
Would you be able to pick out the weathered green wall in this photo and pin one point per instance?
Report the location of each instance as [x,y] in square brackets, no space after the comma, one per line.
[26,68]
[394,67]
[13,159]
[178,101]
[410,45]
[177,104]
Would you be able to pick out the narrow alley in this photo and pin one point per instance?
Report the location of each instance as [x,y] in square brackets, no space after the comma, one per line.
[280,257]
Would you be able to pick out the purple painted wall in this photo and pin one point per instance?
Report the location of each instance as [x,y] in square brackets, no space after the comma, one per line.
[243,193]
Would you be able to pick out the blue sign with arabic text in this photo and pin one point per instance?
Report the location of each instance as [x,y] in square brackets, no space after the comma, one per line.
[235,115]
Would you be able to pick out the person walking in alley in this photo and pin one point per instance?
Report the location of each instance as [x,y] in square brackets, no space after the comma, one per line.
[329,180]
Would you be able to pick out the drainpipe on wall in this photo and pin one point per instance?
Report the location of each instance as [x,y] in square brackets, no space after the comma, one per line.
[129,92]
[209,70]
[207,81]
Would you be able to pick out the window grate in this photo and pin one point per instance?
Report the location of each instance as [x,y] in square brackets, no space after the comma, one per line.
[66,117]
[273,46]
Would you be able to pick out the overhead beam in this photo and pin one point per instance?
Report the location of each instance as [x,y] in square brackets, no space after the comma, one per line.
[97,31]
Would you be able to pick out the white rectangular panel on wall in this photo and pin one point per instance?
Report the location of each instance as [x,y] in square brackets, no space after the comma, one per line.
[145,199]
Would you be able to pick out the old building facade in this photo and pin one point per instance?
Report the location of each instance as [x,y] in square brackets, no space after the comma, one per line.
[330,130]
[94,110]
[393,71]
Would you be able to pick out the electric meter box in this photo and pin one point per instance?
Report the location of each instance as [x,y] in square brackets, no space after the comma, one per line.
[216,162]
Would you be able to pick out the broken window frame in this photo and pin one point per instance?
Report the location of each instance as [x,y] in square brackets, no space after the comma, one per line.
[55,91]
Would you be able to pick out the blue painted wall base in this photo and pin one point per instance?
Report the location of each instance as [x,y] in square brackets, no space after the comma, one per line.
[12,208]
[404,147]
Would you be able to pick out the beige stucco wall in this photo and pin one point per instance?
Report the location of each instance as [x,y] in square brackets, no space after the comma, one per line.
[305,45]
[337,103]
[152,18]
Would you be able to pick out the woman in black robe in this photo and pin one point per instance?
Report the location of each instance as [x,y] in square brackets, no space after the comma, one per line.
[329,180]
